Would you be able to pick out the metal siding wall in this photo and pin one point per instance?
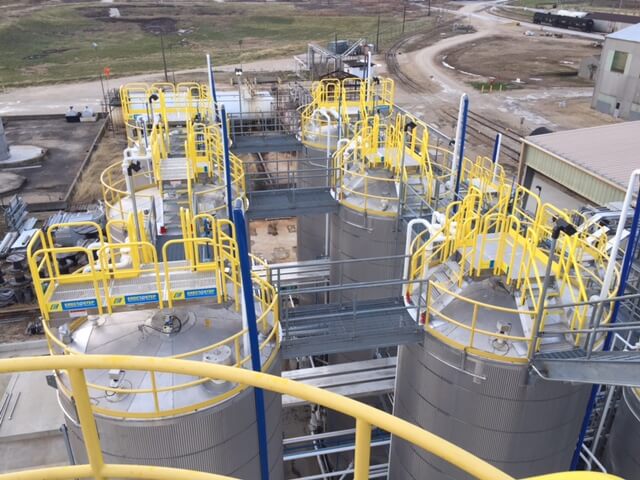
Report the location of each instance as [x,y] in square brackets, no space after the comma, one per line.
[522,425]
[585,185]
[622,454]
[221,439]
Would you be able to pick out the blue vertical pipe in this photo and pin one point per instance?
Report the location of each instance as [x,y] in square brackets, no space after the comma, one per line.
[624,277]
[463,136]
[250,311]
[227,164]
[496,148]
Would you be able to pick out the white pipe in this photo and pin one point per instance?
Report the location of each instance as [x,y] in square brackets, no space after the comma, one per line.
[369,76]
[407,246]
[126,162]
[615,247]
[458,140]
[328,136]
[210,78]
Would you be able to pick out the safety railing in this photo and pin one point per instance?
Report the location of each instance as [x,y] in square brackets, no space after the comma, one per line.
[172,102]
[76,367]
[508,245]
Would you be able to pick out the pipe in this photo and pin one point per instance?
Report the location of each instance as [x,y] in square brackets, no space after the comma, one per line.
[464,100]
[127,171]
[458,138]
[328,147]
[227,163]
[212,87]
[250,309]
[496,155]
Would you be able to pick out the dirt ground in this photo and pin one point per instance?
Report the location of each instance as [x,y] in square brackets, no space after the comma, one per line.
[108,152]
[274,240]
[537,61]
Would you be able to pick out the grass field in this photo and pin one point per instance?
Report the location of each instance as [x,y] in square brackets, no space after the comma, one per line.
[49,41]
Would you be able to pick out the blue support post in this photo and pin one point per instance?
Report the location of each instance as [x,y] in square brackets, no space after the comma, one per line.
[496,148]
[212,87]
[250,311]
[463,136]
[624,277]
[227,164]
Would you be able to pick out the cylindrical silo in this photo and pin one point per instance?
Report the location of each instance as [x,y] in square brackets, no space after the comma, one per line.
[497,411]
[193,429]
[622,456]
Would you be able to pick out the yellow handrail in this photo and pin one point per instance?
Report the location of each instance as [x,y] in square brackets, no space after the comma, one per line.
[367,417]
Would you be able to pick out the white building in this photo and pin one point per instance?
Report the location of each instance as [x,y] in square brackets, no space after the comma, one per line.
[617,89]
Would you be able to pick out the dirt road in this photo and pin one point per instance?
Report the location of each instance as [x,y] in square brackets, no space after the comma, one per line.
[519,110]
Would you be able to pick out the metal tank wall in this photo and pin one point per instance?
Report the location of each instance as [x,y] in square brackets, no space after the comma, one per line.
[523,425]
[311,229]
[622,455]
[221,439]
[355,235]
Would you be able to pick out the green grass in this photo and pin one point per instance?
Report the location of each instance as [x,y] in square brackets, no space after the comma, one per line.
[55,42]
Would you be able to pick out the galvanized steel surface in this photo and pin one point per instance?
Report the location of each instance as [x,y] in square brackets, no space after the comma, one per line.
[221,439]
[521,424]
[622,455]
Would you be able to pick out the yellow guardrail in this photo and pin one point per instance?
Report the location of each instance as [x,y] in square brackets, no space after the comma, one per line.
[337,104]
[179,101]
[366,418]
[517,240]
[101,263]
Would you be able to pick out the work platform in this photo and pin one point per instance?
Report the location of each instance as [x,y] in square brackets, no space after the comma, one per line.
[290,203]
[145,288]
[265,143]
[347,327]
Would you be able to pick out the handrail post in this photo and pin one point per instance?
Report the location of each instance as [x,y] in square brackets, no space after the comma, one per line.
[362,454]
[87,421]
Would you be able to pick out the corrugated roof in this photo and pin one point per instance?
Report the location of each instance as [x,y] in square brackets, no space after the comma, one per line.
[611,151]
[630,34]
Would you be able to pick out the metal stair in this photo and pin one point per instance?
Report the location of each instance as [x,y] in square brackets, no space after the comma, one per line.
[175,192]
[617,367]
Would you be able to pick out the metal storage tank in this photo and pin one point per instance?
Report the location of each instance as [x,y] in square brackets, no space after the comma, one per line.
[622,456]
[519,423]
[194,431]
[470,380]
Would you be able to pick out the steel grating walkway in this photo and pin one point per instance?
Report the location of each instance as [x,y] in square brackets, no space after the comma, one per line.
[290,202]
[347,327]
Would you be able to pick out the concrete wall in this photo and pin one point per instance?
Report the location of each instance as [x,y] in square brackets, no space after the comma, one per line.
[618,93]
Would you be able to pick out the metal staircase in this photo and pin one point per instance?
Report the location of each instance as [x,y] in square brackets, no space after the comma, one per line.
[174,172]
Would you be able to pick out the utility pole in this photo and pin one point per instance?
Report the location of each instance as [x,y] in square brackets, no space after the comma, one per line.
[404,14]
[164,59]
[378,35]
[429,9]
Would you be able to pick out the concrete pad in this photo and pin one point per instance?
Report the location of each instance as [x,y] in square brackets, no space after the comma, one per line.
[20,155]
[10,182]
[32,453]
[33,410]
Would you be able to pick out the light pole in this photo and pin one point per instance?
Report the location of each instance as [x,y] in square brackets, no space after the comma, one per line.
[239,76]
